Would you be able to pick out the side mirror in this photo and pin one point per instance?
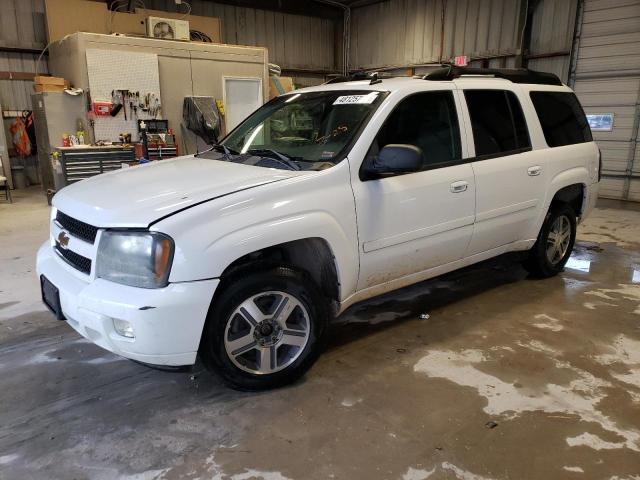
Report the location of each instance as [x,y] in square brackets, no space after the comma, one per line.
[394,159]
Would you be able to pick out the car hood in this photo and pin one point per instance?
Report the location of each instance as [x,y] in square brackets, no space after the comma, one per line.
[140,195]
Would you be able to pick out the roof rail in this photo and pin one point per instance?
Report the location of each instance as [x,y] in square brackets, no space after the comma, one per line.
[516,75]
[348,78]
[375,77]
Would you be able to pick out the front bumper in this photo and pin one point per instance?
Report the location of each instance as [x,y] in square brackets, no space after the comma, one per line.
[167,322]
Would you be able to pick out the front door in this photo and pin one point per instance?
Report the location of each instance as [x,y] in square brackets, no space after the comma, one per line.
[412,222]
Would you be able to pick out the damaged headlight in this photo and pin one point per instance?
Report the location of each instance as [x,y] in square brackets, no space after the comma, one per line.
[138,259]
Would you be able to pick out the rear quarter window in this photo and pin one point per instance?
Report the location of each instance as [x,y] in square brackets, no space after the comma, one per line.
[562,119]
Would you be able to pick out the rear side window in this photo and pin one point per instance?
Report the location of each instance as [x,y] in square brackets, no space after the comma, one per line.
[426,120]
[497,122]
[562,118]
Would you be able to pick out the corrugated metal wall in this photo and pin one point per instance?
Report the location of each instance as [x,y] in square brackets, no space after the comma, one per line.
[607,80]
[552,29]
[399,33]
[16,94]
[294,41]
[22,25]
[409,32]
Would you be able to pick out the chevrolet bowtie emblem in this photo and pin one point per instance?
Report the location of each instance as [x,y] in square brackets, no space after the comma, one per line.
[63,240]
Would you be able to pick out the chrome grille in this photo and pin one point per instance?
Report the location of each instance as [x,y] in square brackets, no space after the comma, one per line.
[77,228]
[72,258]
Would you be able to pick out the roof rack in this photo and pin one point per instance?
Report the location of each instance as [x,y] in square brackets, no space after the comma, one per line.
[516,75]
[375,77]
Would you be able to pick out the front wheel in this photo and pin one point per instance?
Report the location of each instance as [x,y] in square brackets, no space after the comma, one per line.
[265,329]
[553,247]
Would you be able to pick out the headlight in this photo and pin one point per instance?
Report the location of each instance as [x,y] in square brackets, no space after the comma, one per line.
[138,259]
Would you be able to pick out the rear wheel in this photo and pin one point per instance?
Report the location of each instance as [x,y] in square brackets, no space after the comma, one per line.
[265,329]
[554,245]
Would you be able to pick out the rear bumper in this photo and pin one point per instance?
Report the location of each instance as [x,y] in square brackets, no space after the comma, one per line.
[167,322]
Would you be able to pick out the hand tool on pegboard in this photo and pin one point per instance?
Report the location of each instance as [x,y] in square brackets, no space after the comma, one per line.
[119,98]
[116,100]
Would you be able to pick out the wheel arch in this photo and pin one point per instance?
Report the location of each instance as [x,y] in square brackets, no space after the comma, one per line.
[569,186]
[314,242]
[573,195]
[312,255]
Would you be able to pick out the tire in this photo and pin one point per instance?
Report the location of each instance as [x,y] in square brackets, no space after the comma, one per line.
[264,329]
[546,260]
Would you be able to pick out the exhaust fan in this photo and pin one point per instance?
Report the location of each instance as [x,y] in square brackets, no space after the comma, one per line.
[167,28]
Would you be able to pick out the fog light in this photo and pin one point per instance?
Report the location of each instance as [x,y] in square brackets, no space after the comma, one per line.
[123,327]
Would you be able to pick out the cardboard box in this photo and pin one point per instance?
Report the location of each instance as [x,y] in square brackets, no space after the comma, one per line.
[48,88]
[279,85]
[46,80]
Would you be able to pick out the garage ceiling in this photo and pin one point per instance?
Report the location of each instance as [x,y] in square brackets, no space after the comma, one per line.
[315,8]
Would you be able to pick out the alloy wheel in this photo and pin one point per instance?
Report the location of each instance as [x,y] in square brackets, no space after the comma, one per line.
[558,239]
[267,332]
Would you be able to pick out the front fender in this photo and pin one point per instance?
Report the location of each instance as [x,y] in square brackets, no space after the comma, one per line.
[313,224]
[211,236]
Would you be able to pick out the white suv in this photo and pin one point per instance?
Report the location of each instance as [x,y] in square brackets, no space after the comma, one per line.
[321,198]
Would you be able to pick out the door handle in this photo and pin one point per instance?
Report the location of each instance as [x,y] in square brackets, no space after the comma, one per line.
[459,187]
[534,171]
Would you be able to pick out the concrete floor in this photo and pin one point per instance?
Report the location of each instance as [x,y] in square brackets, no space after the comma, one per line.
[507,378]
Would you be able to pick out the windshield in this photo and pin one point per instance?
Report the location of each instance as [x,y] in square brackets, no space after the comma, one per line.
[302,131]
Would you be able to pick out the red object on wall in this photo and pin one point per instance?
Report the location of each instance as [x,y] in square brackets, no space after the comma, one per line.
[461,60]
[102,108]
[21,141]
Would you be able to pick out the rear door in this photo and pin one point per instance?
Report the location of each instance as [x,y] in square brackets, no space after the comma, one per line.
[510,177]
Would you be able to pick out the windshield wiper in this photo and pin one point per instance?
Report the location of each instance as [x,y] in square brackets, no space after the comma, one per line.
[281,158]
[220,148]
[295,159]
[275,155]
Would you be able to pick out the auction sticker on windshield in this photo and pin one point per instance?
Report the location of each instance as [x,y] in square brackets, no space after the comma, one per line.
[350,99]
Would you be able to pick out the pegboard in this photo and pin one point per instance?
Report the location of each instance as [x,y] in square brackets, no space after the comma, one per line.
[110,70]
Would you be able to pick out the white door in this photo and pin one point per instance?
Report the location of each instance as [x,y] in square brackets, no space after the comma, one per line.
[412,222]
[242,96]
[510,178]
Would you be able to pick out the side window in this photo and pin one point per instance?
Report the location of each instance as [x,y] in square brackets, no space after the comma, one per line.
[497,122]
[562,118]
[426,120]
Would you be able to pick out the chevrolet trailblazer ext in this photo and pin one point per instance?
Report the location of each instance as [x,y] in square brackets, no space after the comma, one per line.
[322,198]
